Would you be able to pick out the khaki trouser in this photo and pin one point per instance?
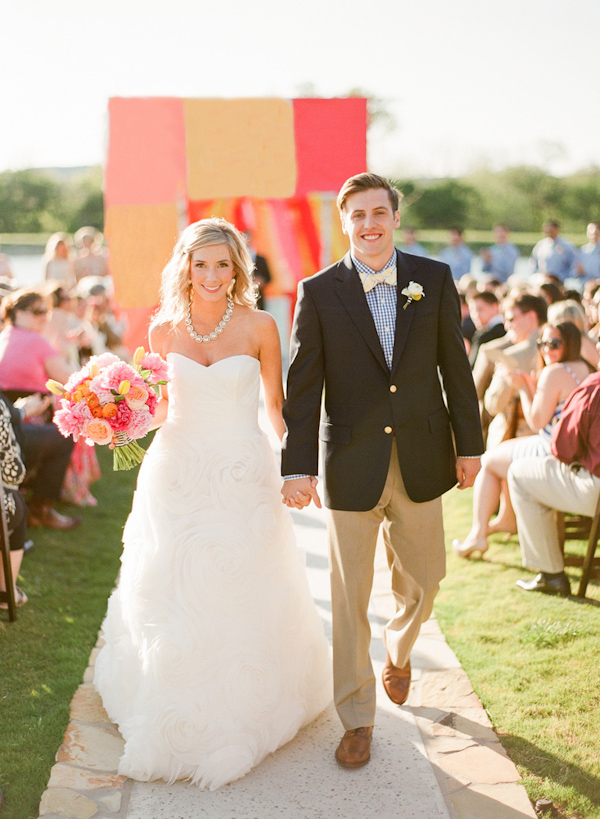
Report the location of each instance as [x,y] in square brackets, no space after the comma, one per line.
[537,487]
[414,539]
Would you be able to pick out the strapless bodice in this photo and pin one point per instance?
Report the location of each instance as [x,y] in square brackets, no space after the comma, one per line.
[222,394]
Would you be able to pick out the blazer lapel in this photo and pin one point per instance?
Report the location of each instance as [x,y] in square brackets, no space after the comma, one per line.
[350,292]
[404,270]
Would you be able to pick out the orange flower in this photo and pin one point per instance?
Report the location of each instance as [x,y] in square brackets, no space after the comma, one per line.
[77,396]
[99,431]
[92,400]
[109,410]
[97,412]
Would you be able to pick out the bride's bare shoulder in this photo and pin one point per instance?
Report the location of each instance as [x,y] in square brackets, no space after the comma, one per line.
[161,337]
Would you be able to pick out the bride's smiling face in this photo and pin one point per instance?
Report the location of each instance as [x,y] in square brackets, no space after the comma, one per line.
[211,272]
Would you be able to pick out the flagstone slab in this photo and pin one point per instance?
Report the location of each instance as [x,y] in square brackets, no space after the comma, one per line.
[91,747]
[450,688]
[80,779]
[86,705]
[504,801]
[64,802]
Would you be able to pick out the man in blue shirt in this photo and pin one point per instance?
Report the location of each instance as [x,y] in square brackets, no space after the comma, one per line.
[553,255]
[457,255]
[411,245]
[499,259]
[587,264]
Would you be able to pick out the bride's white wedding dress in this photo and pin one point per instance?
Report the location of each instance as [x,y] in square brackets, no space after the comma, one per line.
[215,654]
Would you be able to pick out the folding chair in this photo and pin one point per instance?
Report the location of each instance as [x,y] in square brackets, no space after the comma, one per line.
[580,527]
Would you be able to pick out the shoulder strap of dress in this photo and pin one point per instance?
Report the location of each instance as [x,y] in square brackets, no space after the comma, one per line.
[570,371]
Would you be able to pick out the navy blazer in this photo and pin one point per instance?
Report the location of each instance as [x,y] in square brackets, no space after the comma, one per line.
[427,402]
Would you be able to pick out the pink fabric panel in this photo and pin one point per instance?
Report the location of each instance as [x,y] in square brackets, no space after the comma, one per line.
[286,233]
[146,162]
[23,354]
[331,142]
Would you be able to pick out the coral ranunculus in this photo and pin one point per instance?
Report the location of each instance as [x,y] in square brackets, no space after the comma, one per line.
[99,431]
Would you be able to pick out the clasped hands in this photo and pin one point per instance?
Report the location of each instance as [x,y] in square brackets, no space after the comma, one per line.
[299,492]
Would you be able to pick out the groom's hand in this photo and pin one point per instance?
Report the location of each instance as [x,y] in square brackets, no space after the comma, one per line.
[298,493]
[466,471]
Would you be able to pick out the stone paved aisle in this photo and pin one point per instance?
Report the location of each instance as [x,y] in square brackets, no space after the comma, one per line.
[437,757]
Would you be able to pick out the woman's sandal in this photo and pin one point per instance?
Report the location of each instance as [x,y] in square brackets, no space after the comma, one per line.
[463,548]
[20,598]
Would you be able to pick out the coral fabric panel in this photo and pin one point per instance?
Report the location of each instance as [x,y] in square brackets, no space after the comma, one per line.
[141,239]
[146,154]
[240,147]
[331,142]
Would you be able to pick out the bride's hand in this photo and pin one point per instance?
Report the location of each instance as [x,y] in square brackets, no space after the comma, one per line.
[299,492]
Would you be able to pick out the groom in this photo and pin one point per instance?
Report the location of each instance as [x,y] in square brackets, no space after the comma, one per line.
[372,336]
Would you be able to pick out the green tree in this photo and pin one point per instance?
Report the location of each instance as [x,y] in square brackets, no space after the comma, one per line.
[28,201]
[446,204]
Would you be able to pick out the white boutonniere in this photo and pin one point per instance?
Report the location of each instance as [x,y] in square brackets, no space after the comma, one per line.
[414,292]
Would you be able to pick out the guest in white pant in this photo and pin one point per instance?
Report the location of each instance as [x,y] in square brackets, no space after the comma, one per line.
[568,480]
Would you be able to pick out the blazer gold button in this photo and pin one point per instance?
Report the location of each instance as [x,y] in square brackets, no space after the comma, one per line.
[393,388]
[388,430]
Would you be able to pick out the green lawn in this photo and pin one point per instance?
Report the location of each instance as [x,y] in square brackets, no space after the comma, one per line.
[532,658]
[68,577]
[533,661]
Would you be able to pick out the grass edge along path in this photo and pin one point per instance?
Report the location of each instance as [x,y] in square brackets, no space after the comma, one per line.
[68,577]
[533,661]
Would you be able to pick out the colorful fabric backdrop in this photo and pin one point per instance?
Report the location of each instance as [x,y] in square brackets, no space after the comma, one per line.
[271,166]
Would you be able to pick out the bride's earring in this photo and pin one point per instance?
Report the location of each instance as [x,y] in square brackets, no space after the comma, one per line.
[231,287]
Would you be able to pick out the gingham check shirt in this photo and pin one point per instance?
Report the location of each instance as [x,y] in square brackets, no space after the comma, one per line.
[382,304]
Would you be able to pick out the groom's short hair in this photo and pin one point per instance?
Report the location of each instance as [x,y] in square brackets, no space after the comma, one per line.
[364,182]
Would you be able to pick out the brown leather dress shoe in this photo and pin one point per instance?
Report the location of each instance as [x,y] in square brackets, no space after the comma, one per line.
[396,681]
[354,750]
[45,515]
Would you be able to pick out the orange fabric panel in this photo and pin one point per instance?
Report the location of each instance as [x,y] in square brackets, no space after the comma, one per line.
[141,239]
[240,147]
[146,153]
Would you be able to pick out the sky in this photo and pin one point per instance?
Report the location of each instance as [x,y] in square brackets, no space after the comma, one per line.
[467,82]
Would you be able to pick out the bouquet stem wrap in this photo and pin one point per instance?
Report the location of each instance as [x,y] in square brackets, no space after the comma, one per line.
[127,452]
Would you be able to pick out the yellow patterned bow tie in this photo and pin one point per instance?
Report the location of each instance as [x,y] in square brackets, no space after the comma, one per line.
[387,276]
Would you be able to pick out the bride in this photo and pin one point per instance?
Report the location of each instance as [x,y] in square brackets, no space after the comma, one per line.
[214,654]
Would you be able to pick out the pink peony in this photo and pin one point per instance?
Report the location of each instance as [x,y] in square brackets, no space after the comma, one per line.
[67,422]
[139,424]
[120,422]
[158,367]
[152,401]
[114,375]
[103,361]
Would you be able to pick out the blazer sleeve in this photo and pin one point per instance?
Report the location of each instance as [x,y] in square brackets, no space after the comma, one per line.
[302,406]
[457,376]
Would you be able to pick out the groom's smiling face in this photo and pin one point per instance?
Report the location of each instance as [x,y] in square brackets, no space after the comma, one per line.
[369,222]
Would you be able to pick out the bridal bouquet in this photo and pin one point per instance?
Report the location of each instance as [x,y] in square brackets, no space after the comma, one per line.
[111,402]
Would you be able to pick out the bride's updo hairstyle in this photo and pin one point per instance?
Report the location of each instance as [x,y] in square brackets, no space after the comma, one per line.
[175,284]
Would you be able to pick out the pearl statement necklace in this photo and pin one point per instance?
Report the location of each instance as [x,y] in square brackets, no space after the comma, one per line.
[218,329]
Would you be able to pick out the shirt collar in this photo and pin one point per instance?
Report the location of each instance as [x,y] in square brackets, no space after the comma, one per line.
[363,268]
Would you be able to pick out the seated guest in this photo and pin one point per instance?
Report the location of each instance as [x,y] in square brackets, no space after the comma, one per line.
[568,480]
[542,405]
[46,455]
[411,244]
[523,317]
[27,359]
[13,474]
[485,312]
[571,310]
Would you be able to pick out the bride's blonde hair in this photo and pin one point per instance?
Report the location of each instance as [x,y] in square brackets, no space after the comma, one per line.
[175,283]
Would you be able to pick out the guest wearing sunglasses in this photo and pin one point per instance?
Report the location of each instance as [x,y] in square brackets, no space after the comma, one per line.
[27,361]
[542,403]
